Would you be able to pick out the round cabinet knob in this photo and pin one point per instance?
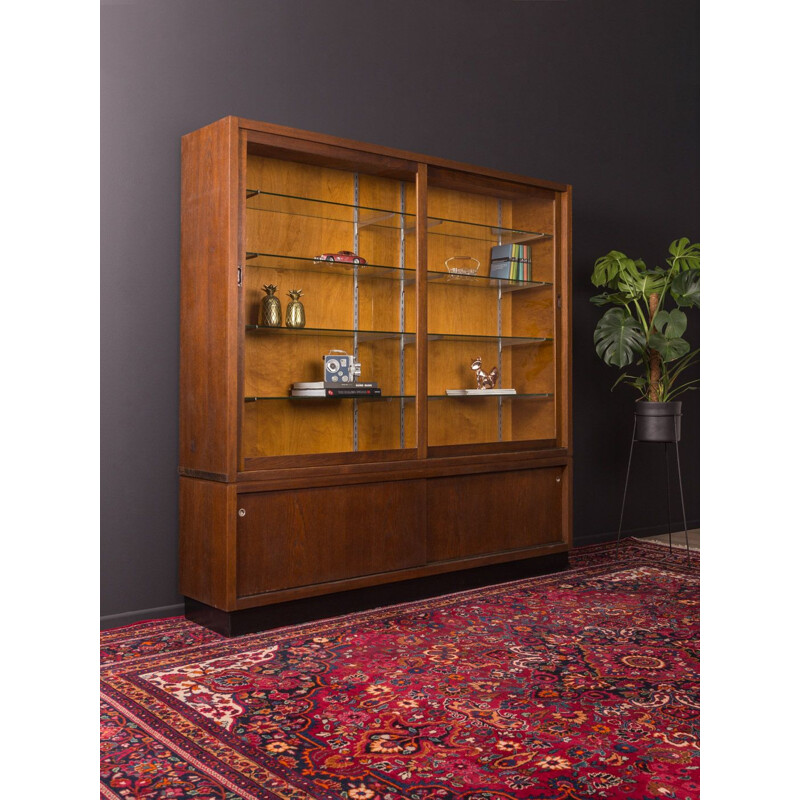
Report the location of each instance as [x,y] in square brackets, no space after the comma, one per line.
[242,512]
[558,480]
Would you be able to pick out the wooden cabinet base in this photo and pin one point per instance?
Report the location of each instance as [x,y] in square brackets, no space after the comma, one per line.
[237,623]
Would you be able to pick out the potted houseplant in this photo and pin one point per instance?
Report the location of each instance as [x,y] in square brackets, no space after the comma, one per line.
[644,329]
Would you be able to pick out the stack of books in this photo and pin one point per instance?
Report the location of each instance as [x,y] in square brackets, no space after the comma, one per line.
[511,262]
[322,389]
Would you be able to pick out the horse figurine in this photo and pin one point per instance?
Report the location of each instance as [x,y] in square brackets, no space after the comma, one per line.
[486,380]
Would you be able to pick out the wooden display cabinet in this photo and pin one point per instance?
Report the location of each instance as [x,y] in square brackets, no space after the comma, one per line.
[291,507]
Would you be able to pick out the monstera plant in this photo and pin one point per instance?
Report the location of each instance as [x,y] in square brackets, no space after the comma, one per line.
[641,329]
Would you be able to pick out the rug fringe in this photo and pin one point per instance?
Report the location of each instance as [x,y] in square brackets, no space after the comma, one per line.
[679,545]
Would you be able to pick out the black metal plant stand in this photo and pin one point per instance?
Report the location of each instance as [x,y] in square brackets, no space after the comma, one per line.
[674,441]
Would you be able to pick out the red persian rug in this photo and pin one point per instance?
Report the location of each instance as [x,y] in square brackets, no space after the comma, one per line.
[578,685]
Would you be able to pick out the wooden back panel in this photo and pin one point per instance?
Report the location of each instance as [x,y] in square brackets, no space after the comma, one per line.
[291,232]
[473,310]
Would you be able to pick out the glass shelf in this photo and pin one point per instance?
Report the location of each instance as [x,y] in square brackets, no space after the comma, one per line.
[383,272]
[518,396]
[482,281]
[506,341]
[491,234]
[368,216]
[372,399]
[309,207]
[363,336]
[329,267]
[410,337]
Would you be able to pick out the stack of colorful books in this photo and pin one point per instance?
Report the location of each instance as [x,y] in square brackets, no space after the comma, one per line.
[511,262]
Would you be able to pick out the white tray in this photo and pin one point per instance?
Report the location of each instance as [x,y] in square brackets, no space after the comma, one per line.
[475,392]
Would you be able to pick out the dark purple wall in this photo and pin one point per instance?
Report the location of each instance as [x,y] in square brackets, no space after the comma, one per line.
[602,94]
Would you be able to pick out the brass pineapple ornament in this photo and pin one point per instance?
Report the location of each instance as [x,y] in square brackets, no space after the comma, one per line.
[270,308]
[295,313]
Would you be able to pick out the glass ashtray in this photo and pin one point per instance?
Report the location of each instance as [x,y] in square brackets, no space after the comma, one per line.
[462,265]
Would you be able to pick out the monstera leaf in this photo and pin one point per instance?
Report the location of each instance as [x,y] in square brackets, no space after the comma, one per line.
[642,283]
[684,255]
[618,298]
[612,267]
[670,349]
[619,338]
[666,338]
[670,323]
[685,289]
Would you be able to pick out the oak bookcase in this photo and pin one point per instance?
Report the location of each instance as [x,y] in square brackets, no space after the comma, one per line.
[292,508]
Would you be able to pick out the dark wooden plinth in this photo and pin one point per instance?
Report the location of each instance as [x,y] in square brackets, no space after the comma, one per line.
[250,620]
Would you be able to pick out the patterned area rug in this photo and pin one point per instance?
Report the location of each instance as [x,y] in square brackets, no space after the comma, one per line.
[582,684]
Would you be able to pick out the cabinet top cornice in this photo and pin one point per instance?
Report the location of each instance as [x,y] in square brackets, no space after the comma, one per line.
[432,162]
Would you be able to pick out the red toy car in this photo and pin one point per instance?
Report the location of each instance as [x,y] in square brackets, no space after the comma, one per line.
[345,256]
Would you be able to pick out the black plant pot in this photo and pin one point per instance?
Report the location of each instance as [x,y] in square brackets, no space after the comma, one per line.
[658,422]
